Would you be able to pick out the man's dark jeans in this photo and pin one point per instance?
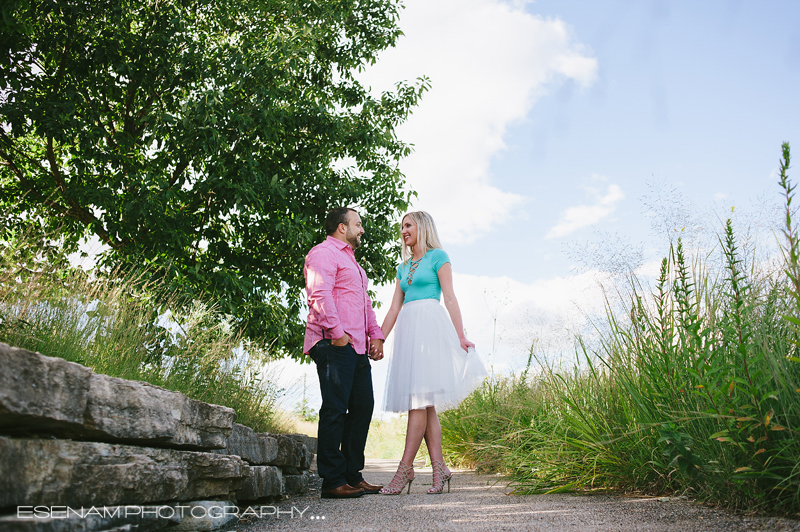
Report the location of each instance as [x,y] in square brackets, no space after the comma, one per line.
[345,379]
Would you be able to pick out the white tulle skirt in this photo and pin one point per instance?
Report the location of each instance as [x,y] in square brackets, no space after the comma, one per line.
[427,366]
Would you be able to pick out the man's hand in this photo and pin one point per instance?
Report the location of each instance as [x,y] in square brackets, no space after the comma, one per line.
[376,349]
[341,342]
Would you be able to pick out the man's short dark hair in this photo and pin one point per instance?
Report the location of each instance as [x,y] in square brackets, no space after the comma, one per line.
[335,217]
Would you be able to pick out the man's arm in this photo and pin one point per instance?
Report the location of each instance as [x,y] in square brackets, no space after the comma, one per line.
[376,337]
[373,329]
[320,278]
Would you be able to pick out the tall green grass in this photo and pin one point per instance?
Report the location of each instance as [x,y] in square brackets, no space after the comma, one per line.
[386,440]
[121,325]
[694,390]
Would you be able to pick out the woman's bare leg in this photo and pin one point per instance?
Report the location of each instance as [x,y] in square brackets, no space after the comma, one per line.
[433,439]
[417,426]
[417,422]
[433,435]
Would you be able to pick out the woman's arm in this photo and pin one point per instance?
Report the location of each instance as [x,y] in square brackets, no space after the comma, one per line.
[445,274]
[394,310]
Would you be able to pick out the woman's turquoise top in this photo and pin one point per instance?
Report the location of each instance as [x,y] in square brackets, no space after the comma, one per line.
[425,281]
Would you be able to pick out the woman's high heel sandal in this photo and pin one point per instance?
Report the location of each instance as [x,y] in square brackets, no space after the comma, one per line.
[440,476]
[404,475]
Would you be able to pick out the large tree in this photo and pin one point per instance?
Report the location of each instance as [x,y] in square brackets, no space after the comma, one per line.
[206,138]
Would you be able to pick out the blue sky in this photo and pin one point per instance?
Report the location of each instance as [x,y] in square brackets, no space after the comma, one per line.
[699,95]
[547,120]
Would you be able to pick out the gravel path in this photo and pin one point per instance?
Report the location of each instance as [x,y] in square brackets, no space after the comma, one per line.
[479,503]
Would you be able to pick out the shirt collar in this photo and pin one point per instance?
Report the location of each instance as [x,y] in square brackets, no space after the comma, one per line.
[338,243]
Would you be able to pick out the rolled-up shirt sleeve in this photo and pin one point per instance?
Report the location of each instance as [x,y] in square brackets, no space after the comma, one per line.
[320,279]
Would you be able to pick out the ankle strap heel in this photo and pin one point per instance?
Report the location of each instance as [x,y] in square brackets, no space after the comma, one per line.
[440,476]
[403,476]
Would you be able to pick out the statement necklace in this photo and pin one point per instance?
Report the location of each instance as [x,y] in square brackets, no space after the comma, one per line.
[412,268]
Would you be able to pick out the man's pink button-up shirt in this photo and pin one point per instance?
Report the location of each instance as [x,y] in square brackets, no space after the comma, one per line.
[336,286]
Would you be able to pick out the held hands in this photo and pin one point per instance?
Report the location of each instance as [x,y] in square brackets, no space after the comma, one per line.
[376,349]
[341,342]
[375,346]
[466,344]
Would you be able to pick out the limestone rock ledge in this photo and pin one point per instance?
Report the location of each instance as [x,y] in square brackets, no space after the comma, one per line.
[71,438]
[254,448]
[292,452]
[73,473]
[262,448]
[267,481]
[299,483]
[47,395]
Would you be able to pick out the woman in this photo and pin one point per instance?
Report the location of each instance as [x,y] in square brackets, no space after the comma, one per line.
[433,364]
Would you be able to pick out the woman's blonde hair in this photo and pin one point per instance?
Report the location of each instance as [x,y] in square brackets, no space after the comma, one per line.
[427,237]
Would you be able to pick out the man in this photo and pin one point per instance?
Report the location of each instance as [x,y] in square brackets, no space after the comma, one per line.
[341,328]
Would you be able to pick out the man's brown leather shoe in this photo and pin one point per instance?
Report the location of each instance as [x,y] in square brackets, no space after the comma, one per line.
[368,488]
[345,491]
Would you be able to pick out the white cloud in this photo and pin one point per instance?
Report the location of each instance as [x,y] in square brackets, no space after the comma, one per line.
[582,215]
[551,311]
[488,62]
[651,269]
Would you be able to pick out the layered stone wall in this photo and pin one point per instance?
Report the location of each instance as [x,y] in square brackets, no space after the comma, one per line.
[84,451]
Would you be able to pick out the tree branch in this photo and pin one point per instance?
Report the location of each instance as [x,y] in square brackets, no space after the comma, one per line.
[23,179]
[76,210]
[179,169]
[128,123]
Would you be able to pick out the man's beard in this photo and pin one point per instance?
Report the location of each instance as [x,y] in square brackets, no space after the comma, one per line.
[354,239]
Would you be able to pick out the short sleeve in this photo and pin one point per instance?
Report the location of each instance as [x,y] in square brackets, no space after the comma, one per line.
[438,258]
[398,272]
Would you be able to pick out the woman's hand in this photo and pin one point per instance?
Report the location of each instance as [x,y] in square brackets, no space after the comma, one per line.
[466,344]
